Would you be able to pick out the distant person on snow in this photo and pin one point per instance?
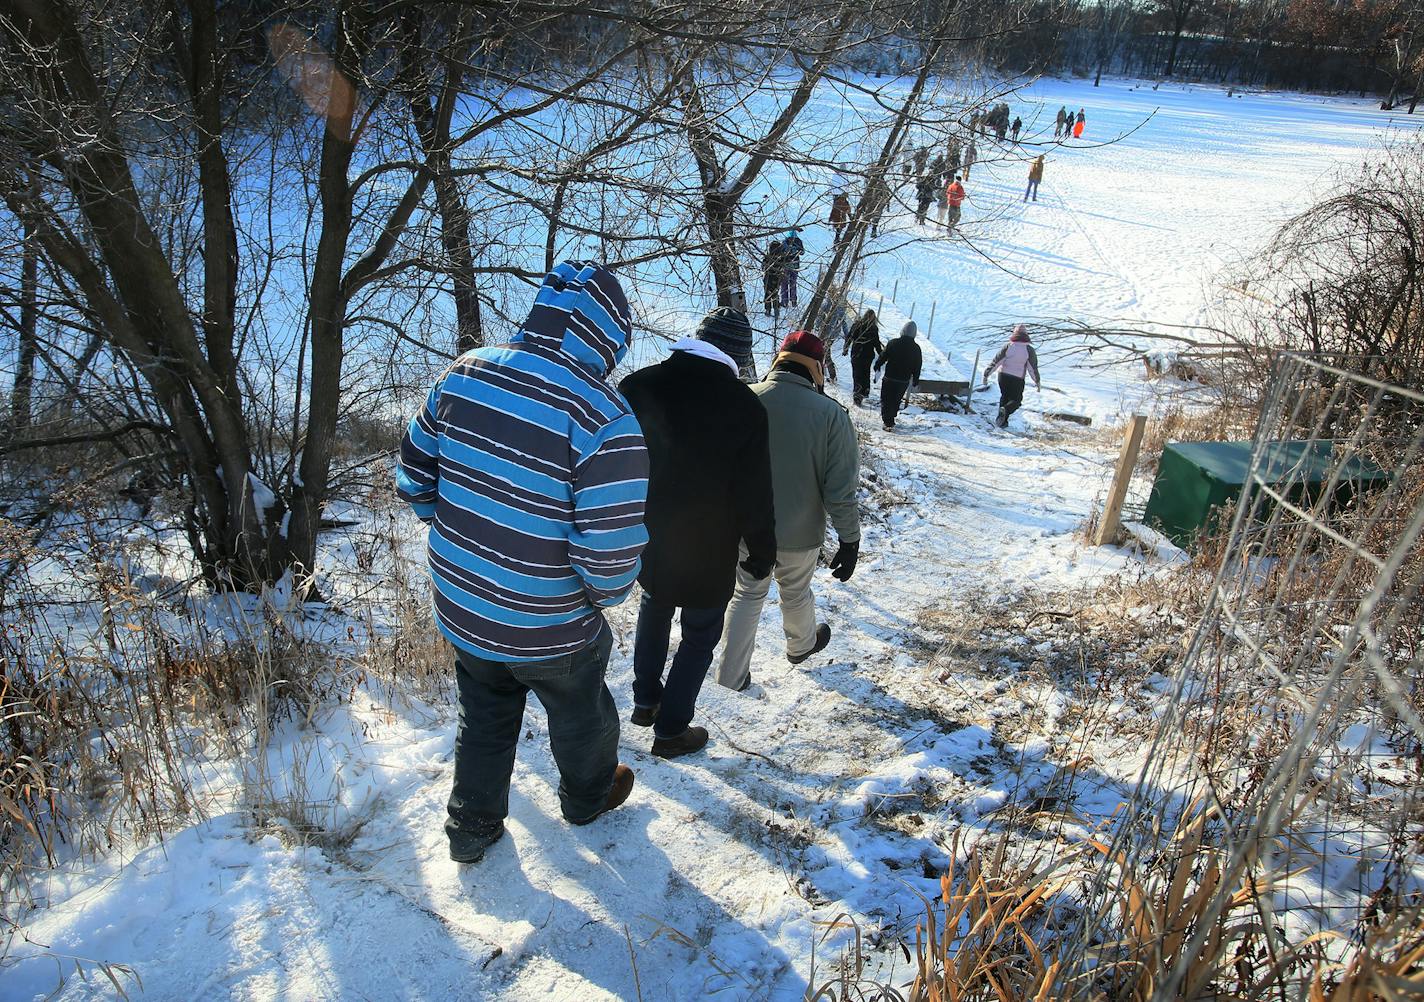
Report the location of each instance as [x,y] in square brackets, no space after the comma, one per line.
[791,250]
[954,196]
[938,168]
[925,189]
[840,215]
[1035,177]
[1060,122]
[772,262]
[1015,360]
[709,493]
[836,321]
[1079,125]
[1018,124]
[971,156]
[531,472]
[902,360]
[864,347]
[815,470]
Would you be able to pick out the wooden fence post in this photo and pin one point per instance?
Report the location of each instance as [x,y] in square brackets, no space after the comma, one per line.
[1110,523]
[973,378]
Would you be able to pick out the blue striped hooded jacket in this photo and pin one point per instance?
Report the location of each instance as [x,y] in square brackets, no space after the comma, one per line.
[532,474]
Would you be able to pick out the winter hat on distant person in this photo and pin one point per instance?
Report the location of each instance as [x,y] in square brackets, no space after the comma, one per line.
[910,330]
[729,330]
[1020,333]
[806,350]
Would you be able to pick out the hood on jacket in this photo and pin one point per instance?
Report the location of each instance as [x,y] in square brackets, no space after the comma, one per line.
[1020,333]
[910,330]
[581,311]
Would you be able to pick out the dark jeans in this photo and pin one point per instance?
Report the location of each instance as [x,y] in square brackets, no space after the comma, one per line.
[788,286]
[771,287]
[861,359]
[1011,391]
[583,732]
[1032,189]
[892,391]
[677,697]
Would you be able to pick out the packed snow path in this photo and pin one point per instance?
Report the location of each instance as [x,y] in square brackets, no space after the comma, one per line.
[808,803]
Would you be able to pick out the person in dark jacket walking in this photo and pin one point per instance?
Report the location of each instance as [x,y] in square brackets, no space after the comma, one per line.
[1018,124]
[971,154]
[791,250]
[1015,360]
[863,345]
[926,188]
[902,360]
[709,492]
[532,474]
[772,263]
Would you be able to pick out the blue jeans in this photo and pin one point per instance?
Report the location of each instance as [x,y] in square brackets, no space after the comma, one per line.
[677,697]
[583,733]
[1032,189]
[788,286]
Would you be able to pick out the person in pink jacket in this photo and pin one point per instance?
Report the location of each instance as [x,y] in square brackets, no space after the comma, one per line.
[1015,362]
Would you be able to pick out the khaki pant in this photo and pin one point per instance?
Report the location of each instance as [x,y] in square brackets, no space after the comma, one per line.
[793,572]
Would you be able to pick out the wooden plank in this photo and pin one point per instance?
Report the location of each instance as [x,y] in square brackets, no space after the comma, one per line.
[1110,523]
[943,387]
[1082,419]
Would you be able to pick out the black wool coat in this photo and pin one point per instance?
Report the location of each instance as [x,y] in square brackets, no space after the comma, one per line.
[709,478]
[902,360]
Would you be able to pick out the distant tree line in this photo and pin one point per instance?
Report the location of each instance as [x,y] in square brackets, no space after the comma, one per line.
[1363,46]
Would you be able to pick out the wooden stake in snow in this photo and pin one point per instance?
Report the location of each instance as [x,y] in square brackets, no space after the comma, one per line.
[973,375]
[1109,524]
[930,333]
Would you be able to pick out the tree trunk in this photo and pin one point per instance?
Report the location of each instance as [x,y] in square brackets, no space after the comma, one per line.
[21,395]
[872,202]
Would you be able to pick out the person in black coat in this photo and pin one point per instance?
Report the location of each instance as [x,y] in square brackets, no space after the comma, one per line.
[902,360]
[709,488]
[863,345]
[772,263]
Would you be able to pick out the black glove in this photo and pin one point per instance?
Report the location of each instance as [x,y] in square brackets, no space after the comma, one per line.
[843,563]
[757,567]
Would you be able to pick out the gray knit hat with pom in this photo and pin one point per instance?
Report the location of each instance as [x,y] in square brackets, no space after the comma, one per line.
[729,330]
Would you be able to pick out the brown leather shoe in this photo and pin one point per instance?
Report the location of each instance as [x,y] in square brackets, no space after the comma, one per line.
[694,739]
[617,793]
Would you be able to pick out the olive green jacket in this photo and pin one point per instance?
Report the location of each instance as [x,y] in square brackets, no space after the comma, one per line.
[815,462]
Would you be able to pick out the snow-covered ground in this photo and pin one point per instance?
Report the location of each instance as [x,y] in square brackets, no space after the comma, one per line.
[834,788]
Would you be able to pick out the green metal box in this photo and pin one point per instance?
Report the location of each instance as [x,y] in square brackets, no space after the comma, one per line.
[1196,479]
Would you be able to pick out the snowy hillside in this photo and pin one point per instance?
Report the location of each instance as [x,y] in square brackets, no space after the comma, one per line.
[948,704]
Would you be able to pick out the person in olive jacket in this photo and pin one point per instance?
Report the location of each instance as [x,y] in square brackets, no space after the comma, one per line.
[902,360]
[709,499]
[815,470]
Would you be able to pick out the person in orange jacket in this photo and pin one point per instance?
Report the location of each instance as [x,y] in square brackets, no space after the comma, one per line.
[954,196]
[1078,125]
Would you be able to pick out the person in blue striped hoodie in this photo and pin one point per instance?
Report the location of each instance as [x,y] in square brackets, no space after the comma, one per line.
[532,473]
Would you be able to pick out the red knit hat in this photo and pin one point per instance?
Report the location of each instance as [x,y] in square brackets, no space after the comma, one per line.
[804,343]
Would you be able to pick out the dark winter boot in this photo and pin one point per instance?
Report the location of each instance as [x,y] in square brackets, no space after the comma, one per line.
[469,846]
[823,637]
[693,739]
[622,786]
[1002,421]
[643,716]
